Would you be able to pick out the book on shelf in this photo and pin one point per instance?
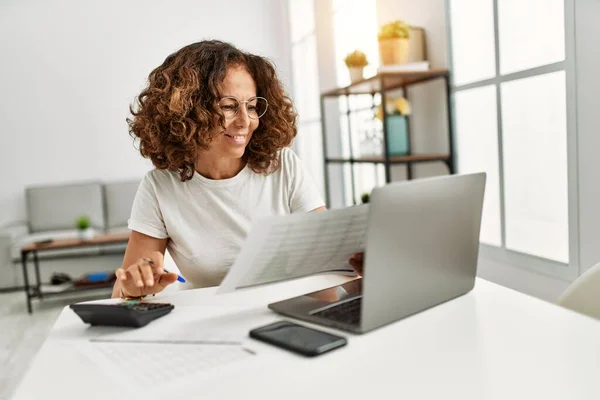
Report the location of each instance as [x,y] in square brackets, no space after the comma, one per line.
[411,66]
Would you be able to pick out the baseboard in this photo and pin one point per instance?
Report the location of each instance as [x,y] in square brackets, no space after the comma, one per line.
[522,280]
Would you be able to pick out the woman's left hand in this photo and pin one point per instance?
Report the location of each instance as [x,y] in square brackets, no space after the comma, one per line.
[356,262]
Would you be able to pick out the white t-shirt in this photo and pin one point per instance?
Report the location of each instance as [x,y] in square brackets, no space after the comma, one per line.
[208,220]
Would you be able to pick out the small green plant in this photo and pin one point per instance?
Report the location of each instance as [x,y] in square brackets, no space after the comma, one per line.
[82,222]
[394,30]
[365,198]
[356,59]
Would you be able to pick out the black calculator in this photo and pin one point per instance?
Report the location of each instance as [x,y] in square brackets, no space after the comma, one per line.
[128,313]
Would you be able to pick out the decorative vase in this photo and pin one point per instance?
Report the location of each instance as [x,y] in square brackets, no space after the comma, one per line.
[85,234]
[394,51]
[397,135]
[356,73]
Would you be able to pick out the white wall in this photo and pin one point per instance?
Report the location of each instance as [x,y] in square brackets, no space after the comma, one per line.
[69,70]
[327,80]
[429,127]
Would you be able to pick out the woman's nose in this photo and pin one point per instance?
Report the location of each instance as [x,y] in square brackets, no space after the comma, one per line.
[242,116]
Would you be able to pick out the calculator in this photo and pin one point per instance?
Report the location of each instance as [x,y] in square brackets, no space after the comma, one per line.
[128,313]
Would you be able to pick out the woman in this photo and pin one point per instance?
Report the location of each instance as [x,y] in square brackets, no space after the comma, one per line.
[216,123]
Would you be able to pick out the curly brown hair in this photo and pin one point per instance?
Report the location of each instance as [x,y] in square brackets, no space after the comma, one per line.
[175,116]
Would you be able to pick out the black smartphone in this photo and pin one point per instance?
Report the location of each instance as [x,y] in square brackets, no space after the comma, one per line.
[298,338]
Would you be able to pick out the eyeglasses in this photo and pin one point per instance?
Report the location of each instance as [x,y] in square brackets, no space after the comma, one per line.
[256,107]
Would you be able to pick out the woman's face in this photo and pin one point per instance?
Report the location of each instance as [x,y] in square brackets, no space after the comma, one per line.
[232,142]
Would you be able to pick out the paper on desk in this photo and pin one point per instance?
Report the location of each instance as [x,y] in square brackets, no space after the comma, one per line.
[190,344]
[292,246]
[143,367]
[195,325]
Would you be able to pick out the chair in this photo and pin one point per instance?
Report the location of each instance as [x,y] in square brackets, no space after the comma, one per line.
[583,296]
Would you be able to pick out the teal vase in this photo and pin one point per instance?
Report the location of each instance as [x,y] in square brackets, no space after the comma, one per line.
[397,132]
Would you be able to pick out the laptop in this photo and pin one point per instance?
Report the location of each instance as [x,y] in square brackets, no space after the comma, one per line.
[421,250]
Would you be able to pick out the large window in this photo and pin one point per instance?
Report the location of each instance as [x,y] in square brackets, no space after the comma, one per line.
[305,81]
[355,27]
[508,67]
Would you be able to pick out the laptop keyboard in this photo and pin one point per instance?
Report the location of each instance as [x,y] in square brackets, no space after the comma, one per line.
[347,312]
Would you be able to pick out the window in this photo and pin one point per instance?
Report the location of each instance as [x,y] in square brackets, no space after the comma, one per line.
[353,24]
[305,82]
[508,66]
[355,27]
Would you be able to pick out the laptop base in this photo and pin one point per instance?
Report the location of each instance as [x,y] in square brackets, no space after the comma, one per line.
[316,307]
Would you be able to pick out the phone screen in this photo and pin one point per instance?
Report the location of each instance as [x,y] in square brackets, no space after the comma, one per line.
[298,338]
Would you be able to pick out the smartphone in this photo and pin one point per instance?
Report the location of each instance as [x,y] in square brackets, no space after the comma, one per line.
[298,338]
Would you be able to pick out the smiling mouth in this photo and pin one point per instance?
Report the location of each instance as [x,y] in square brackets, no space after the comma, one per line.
[237,137]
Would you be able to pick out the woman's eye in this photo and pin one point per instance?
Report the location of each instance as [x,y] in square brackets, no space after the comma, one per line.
[251,108]
[228,108]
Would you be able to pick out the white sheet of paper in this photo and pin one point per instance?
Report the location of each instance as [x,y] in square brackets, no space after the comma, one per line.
[139,368]
[194,325]
[292,246]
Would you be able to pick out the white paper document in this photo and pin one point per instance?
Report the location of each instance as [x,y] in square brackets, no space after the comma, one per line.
[193,325]
[139,367]
[189,345]
[292,246]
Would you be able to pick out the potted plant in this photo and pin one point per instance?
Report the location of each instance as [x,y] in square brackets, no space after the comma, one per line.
[365,197]
[84,230]
[393,42]
[356,62]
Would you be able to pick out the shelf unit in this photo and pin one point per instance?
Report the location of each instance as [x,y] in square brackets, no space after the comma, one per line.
[34,291]
[383,83]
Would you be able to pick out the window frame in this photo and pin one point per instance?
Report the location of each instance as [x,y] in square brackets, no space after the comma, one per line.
[567,272]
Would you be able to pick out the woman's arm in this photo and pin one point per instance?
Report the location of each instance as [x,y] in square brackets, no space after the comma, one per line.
[139,246]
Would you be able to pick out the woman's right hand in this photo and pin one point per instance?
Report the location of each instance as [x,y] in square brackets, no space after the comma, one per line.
[145,276]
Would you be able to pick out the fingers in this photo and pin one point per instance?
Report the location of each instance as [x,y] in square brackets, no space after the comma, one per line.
[158,260]
[146,276]
[121,274]
[354,264]
[166,279]
[356,261]
[146,272]
[136,275]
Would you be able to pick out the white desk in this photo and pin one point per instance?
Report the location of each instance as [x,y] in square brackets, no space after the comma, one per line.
[493,343]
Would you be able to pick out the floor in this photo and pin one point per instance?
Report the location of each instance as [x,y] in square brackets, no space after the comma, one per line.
[22,335]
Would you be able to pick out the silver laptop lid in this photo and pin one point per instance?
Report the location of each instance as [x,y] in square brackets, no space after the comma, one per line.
[422,245]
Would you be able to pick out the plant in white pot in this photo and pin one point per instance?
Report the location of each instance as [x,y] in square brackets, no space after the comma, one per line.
[356,63]
[393,42]
[84,230]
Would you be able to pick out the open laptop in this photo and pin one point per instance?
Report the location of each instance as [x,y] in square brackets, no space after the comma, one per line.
[421,250]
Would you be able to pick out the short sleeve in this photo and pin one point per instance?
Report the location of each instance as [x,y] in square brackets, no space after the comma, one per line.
[146,216]
[304,195]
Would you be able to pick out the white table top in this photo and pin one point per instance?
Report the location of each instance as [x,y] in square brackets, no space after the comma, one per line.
[492,343]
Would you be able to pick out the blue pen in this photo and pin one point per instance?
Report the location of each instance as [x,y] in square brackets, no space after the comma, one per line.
[179,277]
